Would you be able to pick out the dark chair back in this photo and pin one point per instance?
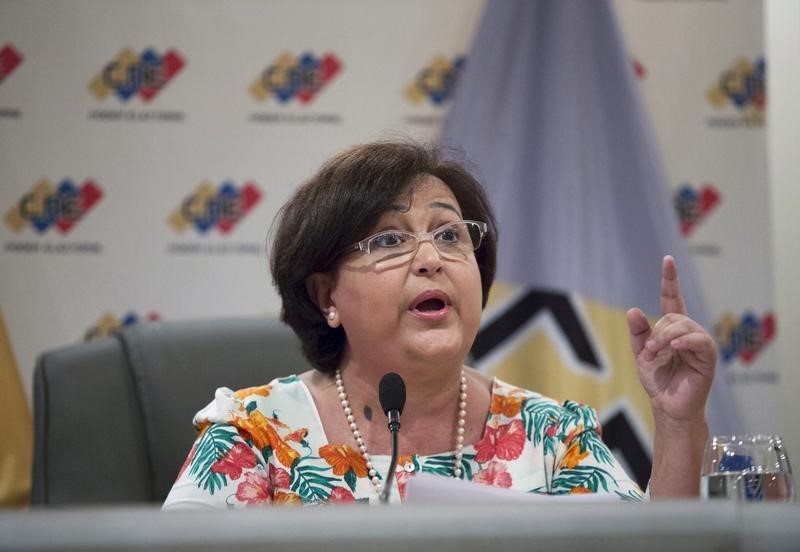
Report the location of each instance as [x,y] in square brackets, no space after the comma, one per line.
[113,416]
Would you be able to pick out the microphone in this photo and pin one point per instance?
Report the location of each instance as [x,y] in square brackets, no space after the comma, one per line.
[392,395]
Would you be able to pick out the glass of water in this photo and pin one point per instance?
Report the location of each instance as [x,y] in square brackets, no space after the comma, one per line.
[751,468]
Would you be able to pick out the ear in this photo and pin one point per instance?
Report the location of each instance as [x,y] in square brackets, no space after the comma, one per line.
[319,286]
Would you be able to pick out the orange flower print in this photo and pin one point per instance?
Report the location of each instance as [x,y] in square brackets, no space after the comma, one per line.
[494,474]
[297,436]
[256,426]
[573,456]
[580,490]
[275,422]
[263,434]
[285,454]
[261,391]
[342,459]
[238,457]
[507,406]
[279,477]
[254,490]
[505,442]
[340,495]
[286,499]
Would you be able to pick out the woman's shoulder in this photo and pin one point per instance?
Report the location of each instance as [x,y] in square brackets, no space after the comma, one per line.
[508,398]
[228,405]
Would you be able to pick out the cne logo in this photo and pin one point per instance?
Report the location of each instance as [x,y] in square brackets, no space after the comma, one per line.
[743,337]
[209,207]
[290,76]
[108,324]
[743,85]
[437,81]
[47,205]
[693,205]
[129,74]
[10,59]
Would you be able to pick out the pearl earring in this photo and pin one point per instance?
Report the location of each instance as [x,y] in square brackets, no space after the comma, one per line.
[331,314]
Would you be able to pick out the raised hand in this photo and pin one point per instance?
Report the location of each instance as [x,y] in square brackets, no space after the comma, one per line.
[675,358]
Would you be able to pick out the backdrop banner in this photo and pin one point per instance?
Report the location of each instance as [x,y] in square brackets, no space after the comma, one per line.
[702,71]
[145,148]
[584,210]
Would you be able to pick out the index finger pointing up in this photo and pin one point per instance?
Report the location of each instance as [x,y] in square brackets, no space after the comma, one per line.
[671,296]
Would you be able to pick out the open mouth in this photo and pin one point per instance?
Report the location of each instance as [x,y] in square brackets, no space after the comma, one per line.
[430,305]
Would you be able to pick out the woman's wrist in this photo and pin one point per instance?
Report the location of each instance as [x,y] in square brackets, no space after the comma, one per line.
[678,446]
[667,424]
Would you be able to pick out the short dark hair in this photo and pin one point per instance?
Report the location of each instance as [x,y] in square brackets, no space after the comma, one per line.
[342,203]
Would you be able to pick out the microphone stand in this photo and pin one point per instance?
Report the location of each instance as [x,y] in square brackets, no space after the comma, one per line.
[392,396]
[394,429]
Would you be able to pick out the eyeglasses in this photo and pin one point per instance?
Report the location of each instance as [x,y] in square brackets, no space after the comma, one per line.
[453,241]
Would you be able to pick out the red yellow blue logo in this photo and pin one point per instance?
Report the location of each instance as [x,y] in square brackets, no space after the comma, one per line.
[130,74]
[744,337]
[743,85]
[47,205]
[108,323]
[437,81]
[291,77]
[10,59]
[694,204]
[220,207]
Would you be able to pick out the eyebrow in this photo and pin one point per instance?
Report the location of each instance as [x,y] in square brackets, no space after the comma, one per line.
[439,204]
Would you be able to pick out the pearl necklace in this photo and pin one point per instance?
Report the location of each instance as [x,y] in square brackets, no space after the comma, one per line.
[362,447]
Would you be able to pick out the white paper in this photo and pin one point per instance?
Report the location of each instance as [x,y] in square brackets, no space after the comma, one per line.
[425,488]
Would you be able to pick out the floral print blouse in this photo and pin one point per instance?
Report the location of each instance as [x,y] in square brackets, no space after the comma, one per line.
[266,445]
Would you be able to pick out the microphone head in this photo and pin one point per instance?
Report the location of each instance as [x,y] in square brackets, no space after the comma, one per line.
[392,393]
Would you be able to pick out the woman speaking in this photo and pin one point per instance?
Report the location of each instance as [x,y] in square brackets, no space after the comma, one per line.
[383,261]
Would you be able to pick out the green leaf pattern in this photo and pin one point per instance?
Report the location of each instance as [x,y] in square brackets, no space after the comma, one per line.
[351,479]
[593,478]
[444,464]
[631,495]
[213,445]
[309,482]
[562,452]
[538,415]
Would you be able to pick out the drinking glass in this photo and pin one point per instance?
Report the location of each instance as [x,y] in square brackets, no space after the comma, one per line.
[750,468]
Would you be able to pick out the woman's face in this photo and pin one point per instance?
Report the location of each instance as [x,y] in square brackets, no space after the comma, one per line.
[426,308]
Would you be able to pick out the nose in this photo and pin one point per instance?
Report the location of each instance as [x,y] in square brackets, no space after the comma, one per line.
[427,259]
